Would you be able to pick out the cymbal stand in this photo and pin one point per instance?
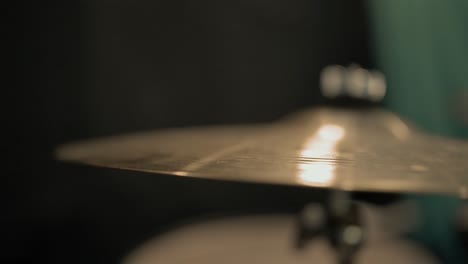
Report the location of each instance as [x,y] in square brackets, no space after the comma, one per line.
[339,220]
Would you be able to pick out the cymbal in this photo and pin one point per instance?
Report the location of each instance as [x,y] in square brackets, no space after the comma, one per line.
[367,149]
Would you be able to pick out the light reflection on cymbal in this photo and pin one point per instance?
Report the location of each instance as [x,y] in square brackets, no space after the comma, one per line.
[398,128]
[321,144]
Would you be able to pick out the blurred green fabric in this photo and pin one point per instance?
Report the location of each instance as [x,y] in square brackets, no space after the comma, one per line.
[422,47]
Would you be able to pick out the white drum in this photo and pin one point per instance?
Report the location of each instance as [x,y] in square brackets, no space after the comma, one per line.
[271,239]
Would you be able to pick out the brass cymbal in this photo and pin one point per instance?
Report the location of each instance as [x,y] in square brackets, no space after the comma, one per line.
[367,149]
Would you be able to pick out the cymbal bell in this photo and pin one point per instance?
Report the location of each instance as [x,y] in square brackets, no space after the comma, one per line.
[368,149]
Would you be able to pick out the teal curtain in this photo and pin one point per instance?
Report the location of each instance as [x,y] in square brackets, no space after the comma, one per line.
[422,47]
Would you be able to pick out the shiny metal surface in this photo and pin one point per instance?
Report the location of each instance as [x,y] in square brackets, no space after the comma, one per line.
[362,149]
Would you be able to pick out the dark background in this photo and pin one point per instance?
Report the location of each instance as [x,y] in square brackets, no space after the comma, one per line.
[96,68]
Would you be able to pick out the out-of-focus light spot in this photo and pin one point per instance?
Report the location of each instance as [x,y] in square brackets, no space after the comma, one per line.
[320,145]
[331,132]
[181,173]
[352,235]
[317,174]
[376,86]
[356,82]
[331,81]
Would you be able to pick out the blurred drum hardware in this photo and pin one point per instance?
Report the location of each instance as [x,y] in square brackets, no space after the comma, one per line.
[354,81]
[340,147]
